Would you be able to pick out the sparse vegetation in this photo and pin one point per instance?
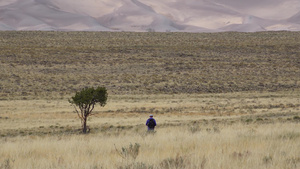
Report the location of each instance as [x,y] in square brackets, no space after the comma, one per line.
[228,100]
[56,64]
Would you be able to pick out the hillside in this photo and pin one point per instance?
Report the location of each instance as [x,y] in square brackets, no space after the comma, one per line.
[56,64]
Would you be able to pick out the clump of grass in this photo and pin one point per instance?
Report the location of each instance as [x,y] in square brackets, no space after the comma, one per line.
[130,152]
[290,135]
[175,163]
[267,159]
[195,129]
[137,165]
[7,164]
[259,119]
[249,120]
[296,118]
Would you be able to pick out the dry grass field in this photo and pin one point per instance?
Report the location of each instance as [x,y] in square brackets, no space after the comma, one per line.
[55,64]
[221,100]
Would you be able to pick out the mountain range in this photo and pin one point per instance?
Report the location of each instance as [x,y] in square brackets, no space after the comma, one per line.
[150,15]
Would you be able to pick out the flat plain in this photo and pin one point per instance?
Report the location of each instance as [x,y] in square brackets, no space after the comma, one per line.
[221,100]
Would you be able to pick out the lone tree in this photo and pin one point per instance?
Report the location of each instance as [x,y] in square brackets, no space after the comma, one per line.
[86,100]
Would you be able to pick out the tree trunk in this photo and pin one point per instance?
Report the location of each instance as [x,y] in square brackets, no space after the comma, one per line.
[84,127]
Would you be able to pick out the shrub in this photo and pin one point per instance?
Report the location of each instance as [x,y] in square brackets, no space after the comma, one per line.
[130,152]
[175,163]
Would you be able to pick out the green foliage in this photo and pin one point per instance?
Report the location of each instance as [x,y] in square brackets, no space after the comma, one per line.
[249,120]
[296,118]
[90,96]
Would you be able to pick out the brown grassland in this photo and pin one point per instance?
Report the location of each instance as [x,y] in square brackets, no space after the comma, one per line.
[221,100]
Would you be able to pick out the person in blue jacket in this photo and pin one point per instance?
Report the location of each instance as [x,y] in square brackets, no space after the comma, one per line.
[151,123]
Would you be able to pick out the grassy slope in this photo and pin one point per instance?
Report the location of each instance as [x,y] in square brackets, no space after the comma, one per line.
[55,64]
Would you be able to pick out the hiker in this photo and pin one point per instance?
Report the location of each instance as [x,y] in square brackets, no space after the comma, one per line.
[151,123]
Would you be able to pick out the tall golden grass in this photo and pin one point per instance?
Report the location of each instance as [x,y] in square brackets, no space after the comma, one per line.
[234,146]
[262,131]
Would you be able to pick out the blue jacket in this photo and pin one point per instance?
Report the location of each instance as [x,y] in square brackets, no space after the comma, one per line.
[148,122]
